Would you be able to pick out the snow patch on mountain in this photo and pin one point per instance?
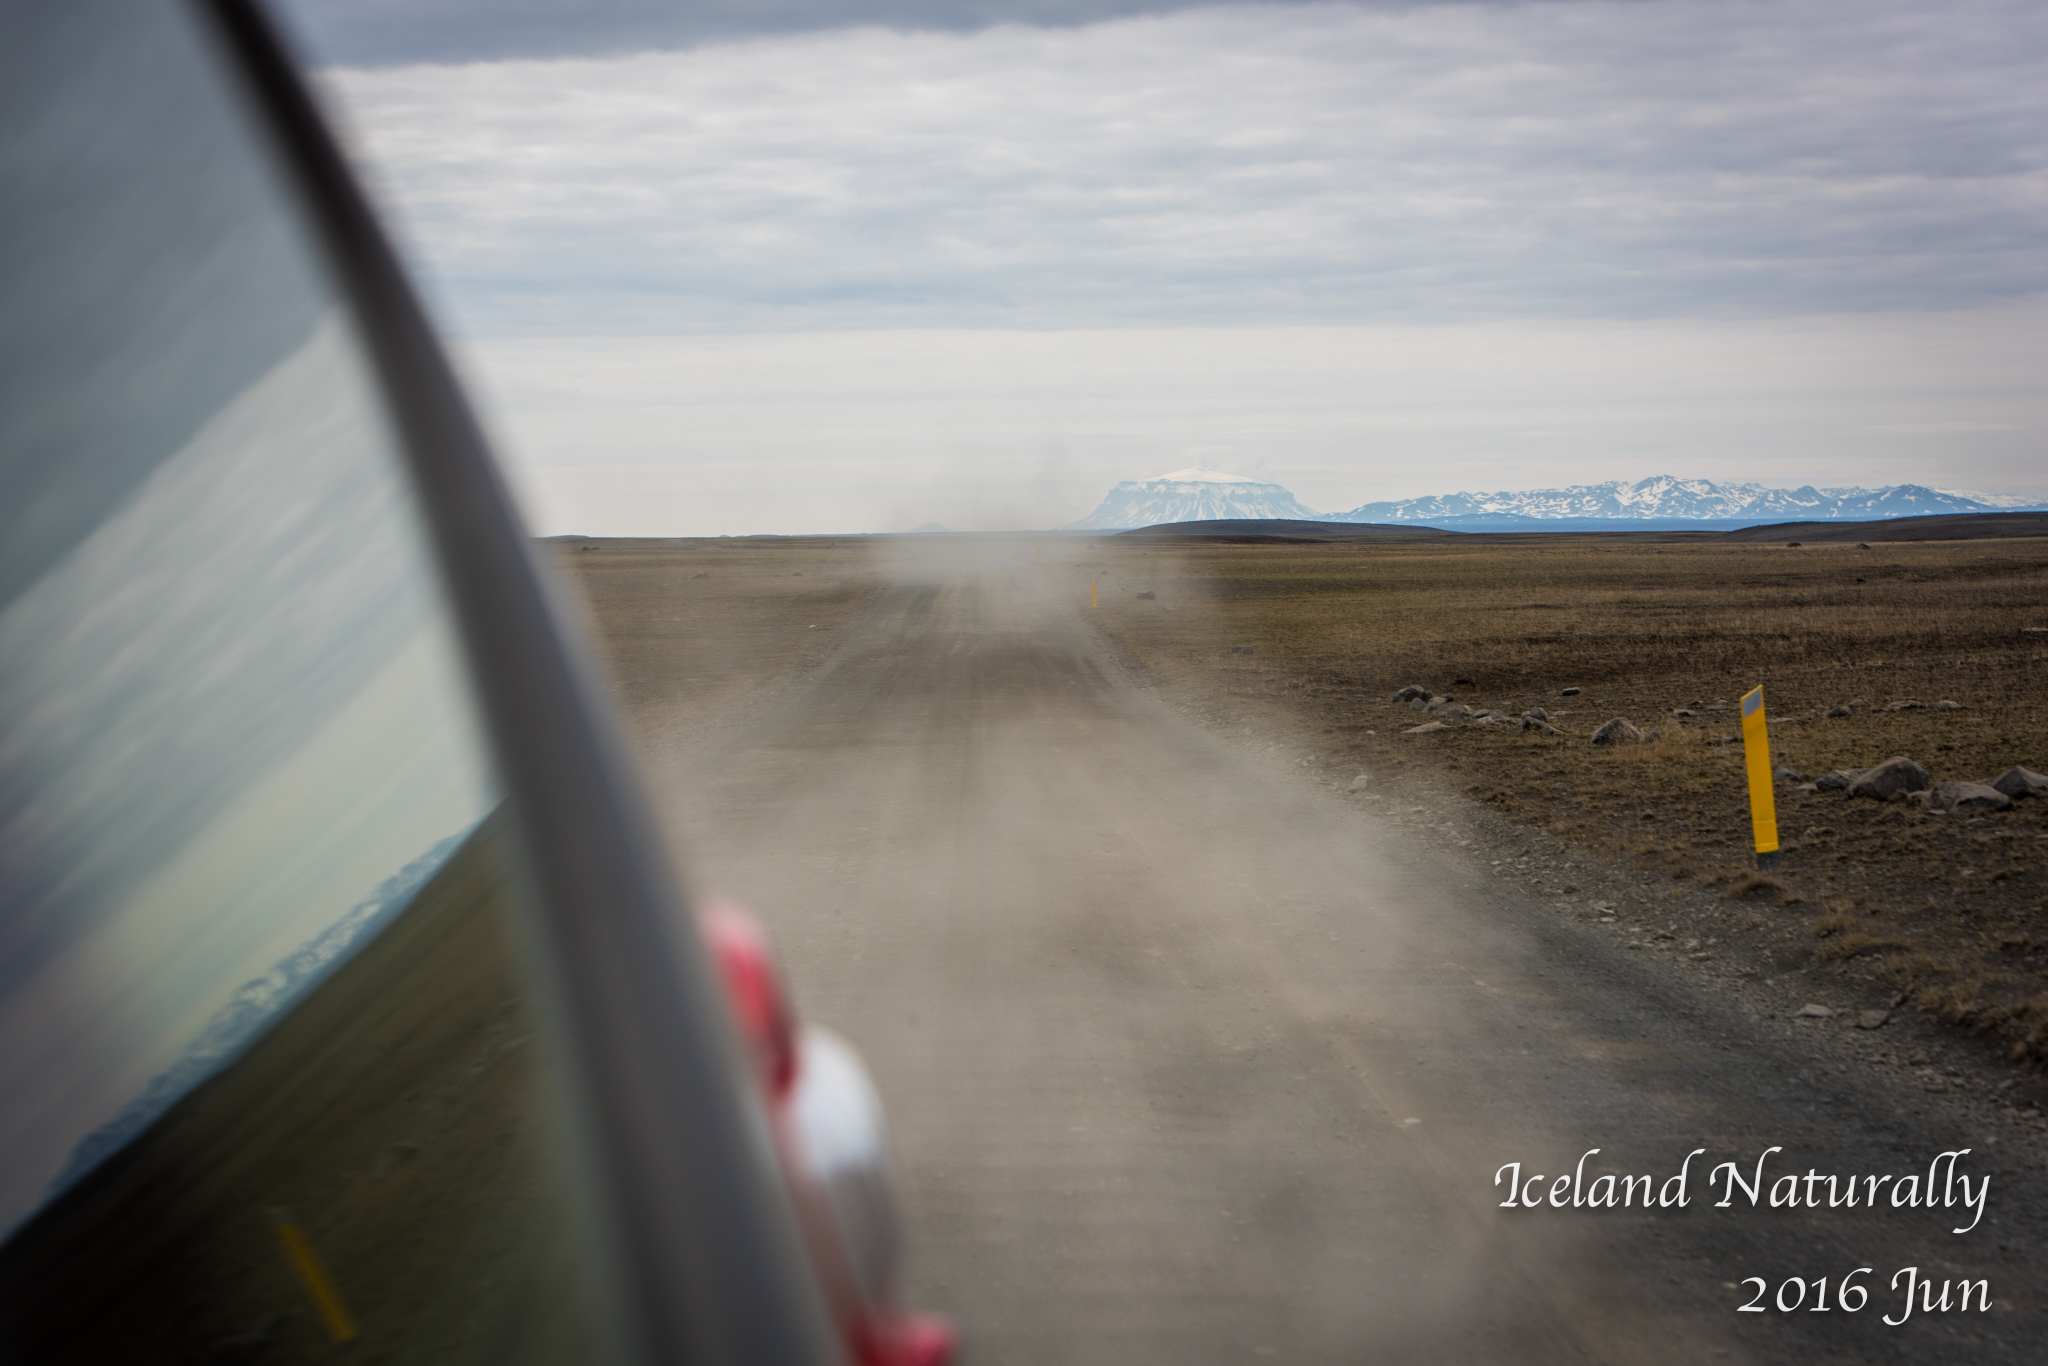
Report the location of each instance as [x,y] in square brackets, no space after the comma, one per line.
[1190,495]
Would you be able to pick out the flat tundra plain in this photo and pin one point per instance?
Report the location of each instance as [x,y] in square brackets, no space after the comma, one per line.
[1196,1049]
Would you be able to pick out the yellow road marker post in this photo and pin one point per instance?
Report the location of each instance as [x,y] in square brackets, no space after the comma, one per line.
[319,1288]
[1756,757]
[1093,601]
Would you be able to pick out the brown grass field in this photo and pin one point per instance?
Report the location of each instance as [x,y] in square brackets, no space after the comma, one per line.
[1316,637]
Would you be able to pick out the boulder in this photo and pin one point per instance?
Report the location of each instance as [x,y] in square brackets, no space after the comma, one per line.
[1410,693]
[1840,711]
[1812,1011]
[1359,784]
[1838,779]
[1806,787]
[1856,702]
[1418,704]
[1147,594]
[1615,732]
[2020,782]
[1787,775]
[1450,711]
[1946,705]
[1893,777]
[1685,711]
[1570,692]
[1426,728]
[1906,704]
[1969,797]
[1538,713]
[1540,726]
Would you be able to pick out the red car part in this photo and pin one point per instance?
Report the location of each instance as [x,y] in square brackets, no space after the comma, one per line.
[828,1133]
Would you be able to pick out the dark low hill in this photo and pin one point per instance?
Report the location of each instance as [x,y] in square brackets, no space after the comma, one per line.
[1285,529]
[1970,526]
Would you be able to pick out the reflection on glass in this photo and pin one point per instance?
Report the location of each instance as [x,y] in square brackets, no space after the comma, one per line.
[268,1069]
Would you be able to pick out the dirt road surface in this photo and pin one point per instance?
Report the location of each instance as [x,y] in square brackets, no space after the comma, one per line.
[1191,1059]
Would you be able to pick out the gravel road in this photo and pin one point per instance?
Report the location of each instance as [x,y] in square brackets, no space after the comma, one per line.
[1191,1059]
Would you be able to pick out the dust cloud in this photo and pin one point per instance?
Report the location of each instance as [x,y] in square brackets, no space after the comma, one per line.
[1186,1061]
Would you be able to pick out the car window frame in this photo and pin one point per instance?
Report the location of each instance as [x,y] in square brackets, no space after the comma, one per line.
[703,1245]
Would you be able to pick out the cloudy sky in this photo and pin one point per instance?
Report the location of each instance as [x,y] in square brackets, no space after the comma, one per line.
[790,265]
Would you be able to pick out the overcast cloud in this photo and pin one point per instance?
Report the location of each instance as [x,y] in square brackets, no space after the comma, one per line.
[1242,165]
[1245,167]
[402,32]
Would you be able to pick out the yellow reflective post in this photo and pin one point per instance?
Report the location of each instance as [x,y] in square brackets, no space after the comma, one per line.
[1756,756]
[299,1251]
[1093,601]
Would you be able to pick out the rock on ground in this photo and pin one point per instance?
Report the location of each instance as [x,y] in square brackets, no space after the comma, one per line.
[2019,782]
[1426,728]
[1839,778]
[1616,732]
[1893,777]
[1967,797]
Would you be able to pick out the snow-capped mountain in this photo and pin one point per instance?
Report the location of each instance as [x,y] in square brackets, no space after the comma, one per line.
[1664,498]
[1190,495]
[1203,495]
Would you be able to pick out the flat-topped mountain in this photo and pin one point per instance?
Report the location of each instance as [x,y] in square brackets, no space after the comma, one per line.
[1191,495]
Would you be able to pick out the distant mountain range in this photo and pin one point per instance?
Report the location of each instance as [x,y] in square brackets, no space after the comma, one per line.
[1663,498]
[1196,495]
[1190,495]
